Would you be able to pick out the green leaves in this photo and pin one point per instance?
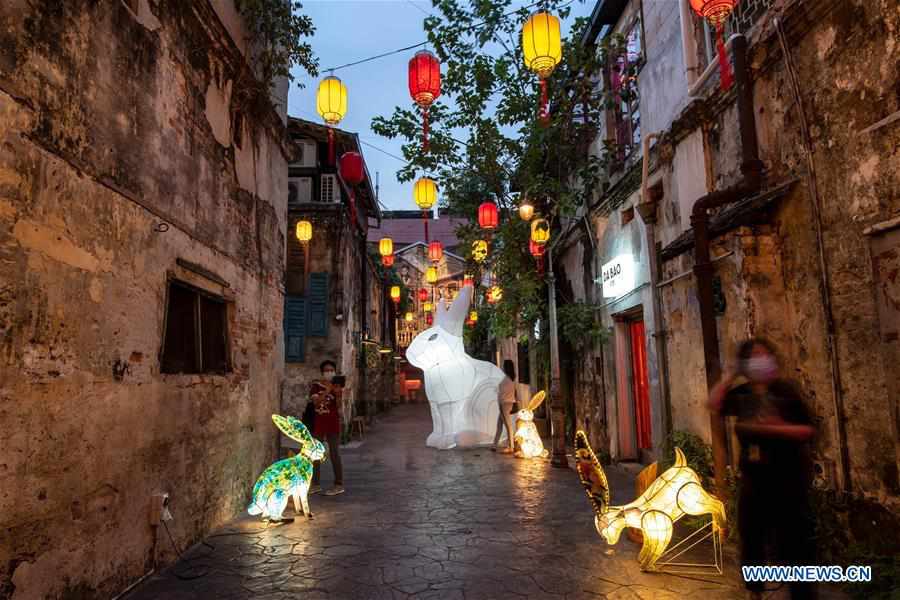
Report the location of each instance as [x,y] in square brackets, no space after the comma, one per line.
[277,29]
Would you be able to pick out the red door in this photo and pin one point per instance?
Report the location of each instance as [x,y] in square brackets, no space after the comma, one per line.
[640,385]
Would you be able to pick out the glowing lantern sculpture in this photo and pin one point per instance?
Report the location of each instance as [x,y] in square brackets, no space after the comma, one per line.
[304,231]
[526,209]
[674,494]
[331,102]
[435,251]
[540,231]
[527,437]
[425,195]
[717,13]
[542,49]
[288,478]
[424,85]
[461,390]
[352,171]
[423,294]
[494,294]
[431,275]
[395,294]
[487,216]
[479,250]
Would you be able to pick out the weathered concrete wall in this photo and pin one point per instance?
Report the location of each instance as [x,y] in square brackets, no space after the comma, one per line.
[108,130]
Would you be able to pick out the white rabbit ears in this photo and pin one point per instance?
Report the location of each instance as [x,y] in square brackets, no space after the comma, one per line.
[451,319]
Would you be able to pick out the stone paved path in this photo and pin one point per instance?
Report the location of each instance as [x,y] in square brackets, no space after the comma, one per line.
[420,523]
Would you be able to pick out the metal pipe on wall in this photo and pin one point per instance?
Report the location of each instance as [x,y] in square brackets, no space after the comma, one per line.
[751,182]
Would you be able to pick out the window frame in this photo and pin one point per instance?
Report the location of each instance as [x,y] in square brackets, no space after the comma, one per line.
[197,332]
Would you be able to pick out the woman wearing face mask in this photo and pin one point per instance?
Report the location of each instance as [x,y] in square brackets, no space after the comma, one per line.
[325,395]
[774,428]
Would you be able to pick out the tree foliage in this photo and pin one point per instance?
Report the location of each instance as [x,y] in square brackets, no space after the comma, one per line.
[490,99]
[277,31]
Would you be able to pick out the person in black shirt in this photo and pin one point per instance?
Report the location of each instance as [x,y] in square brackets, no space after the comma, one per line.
[773,428]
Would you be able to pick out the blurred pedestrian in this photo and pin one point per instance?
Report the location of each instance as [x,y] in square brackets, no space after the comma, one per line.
[325,395]
[774,429]
[506,399]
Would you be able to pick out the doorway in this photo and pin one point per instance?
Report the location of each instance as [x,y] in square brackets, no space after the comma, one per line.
[634,431]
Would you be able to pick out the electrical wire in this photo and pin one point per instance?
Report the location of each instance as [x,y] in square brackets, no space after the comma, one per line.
[474,28]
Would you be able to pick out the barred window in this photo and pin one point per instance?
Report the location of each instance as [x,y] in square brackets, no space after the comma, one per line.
[746,14]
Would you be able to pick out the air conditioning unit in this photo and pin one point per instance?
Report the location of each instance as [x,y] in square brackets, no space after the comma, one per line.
[307,157]
[299,190]
[329,189]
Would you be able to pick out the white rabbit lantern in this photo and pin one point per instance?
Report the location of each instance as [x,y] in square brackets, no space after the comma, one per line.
[527,437]
[461,390]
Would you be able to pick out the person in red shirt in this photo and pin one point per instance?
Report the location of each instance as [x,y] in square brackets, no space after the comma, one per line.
[325,396]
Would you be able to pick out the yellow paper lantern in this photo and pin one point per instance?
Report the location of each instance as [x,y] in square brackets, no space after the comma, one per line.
[674,494]
[473,316]
[386,246]
[428,307]
[304,231]
[526,210]
[409,317]
[425,193]
[395,293]
[431,275]
[540,231]
[541,43]
[479,250]
[331,100]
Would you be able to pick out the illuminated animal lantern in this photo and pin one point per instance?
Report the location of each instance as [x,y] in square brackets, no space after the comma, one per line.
[527,437]
[461,390]
[289,477]
[675,493]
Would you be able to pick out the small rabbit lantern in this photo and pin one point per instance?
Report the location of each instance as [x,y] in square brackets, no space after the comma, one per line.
[527,437]
[289,477]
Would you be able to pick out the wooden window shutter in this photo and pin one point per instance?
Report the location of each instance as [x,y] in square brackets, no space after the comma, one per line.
[318,304]
[294,328]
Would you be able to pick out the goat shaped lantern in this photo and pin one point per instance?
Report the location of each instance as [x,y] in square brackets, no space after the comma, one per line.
[289,477]
[675,493]
[461,390]
[527,437]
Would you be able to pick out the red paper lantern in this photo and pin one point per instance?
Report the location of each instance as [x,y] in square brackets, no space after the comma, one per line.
[424,85]
[435,251]
[717,13]
[388,260]
[352,171]
[423,294]
[468,280]
[429,319]
[487,216]
[536,249]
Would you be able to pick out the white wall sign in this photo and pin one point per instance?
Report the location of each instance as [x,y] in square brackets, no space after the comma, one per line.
[617,276]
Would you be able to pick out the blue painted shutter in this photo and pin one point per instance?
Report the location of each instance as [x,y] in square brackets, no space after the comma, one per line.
[318,304]
[294,328]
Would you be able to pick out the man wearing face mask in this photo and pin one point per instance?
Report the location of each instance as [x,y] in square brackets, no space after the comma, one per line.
[325,395]
[774,428]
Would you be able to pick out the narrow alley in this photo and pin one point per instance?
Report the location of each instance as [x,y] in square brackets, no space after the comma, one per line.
[422,523]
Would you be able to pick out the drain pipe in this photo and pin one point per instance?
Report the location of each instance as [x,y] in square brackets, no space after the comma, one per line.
[750,183]
[647,210]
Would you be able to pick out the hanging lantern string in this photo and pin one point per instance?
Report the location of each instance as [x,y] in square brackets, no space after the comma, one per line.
[425,129]
[473,28]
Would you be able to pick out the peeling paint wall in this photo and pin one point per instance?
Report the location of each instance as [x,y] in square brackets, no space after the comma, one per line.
[112,123]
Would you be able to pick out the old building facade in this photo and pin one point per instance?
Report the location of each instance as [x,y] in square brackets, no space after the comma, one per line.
[334,303]
[142,232]
[802,229]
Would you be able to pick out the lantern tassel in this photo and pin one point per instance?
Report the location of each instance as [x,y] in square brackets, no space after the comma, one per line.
[544,114]
[425,220]
[726,77]
[331,146]
[425,145]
